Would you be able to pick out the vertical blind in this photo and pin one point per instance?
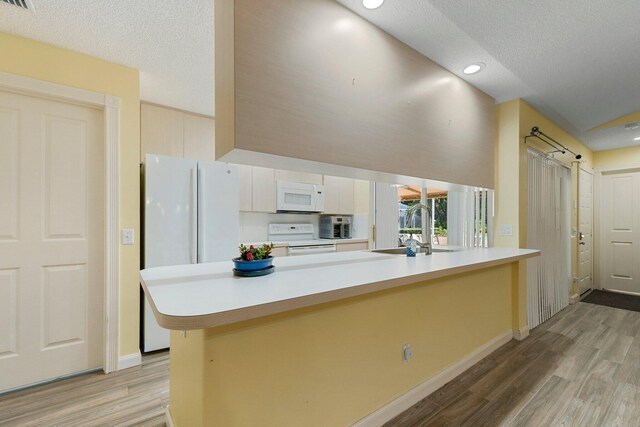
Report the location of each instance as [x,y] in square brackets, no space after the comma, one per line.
[386,215]
[470,218]
[548,229]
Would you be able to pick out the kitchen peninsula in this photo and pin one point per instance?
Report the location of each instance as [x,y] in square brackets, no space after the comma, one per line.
[320,341]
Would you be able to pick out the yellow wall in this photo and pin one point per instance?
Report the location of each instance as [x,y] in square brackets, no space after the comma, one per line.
[621,157]
[45,62]
[334,364]
[506,210]
[515,120]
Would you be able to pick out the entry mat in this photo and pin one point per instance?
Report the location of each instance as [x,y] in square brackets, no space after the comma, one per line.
[613,299]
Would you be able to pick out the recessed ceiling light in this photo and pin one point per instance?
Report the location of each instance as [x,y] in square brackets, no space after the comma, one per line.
[636,139]
[372,4]
[473,68]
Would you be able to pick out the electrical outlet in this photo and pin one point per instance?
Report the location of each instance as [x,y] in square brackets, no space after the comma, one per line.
[407,353]
[128,236]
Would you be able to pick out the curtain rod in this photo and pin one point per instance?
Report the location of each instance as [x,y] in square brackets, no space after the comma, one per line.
[558,147]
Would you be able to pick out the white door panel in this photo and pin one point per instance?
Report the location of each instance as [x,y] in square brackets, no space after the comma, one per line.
[620,250]
[51,239]
[9,173]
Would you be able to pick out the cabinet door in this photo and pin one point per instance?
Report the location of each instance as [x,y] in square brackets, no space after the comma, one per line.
[331,194]
[199,137]
[360,197]
[161,131]
[264,190]
[304,177]
[245,187]
[357,246]
[346,196]
[280,251]
[338,195]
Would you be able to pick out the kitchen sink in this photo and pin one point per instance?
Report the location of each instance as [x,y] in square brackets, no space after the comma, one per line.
[402,251]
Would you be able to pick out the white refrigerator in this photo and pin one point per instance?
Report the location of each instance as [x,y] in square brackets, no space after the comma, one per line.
[190,216]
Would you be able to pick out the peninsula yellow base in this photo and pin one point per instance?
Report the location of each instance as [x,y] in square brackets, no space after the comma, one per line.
[335,363]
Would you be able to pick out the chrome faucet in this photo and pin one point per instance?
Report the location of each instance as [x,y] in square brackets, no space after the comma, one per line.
[411,212]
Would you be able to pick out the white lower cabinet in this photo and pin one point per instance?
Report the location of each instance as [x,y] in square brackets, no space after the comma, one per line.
[280,251]
[352,246]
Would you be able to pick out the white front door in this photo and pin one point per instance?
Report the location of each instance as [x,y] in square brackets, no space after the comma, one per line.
[585,231]
[51,239]
[620,246]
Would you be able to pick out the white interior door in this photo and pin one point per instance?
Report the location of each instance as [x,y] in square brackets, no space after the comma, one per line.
[620,220]
[51,239]
[585,231]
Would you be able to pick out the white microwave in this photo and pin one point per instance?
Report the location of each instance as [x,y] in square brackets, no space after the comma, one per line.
[299,197]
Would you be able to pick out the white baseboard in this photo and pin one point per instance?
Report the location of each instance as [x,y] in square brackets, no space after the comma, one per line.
[129,361]
[574,299]
[521,334]
[416,394]
[167,418]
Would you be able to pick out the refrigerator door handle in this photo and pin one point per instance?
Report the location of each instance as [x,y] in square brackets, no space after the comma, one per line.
[193,223]
[201,210]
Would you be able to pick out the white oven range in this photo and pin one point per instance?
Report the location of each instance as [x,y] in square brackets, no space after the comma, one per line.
[300,238]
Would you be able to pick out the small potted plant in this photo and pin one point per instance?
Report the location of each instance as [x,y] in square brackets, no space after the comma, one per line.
[254,259]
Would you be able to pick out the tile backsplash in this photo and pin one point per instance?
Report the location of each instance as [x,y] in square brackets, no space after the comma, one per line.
[360,227]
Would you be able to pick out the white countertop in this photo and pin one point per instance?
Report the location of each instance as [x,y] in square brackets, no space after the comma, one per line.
[199,296]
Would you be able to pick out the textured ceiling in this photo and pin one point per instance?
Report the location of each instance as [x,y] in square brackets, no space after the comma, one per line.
[169,41]
[576,61]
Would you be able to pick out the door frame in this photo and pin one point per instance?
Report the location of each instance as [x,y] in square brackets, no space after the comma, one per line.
[110,105]
[598,262]
[595,205]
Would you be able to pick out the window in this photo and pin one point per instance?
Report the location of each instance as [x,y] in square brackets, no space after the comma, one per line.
[412,226]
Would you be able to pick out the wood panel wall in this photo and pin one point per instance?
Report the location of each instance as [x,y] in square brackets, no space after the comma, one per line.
[309,79]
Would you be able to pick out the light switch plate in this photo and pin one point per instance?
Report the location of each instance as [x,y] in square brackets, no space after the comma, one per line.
[506,230]
[128,237]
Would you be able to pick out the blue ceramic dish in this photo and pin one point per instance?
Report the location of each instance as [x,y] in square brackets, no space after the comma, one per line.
[256,273]
[242,265]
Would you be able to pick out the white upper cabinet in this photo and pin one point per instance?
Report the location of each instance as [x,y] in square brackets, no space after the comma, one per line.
[303,177]
[264,190]
[199,137]
[245,188]
[360,197]
[175,133]
[338,195]
[161,131]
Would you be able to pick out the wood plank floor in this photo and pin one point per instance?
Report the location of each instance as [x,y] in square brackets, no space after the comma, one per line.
[132,397]
[581,368]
